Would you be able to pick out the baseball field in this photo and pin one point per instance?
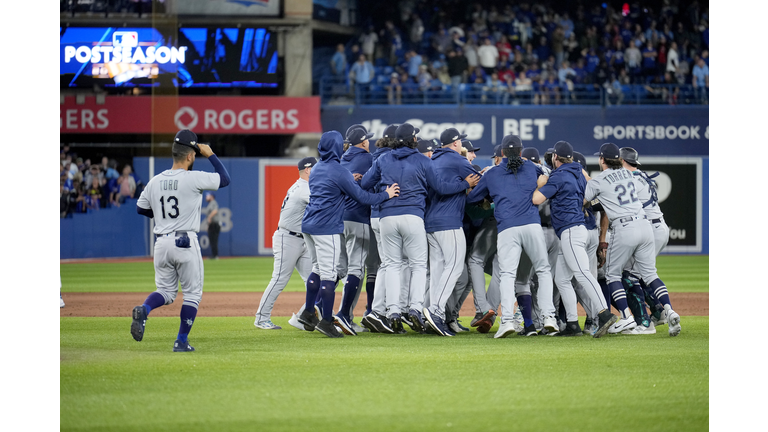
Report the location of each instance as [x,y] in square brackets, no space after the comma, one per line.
[244,378]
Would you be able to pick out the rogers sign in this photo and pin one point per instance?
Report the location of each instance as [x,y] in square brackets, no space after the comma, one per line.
[167,114]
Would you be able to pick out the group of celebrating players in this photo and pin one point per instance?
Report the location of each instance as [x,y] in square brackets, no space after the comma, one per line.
[424,226]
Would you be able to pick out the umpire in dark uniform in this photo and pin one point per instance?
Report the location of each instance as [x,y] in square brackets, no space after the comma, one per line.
[214,228]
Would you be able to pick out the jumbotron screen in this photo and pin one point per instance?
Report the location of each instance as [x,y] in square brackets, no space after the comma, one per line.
[186,58]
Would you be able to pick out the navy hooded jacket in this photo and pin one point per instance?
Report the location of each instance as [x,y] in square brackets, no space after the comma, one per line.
[328,185]
[511,194]
[446,212]
[414,173]
[377,154]
[357,160]
[565,191]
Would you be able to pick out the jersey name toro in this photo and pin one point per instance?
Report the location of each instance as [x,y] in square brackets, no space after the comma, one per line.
[175,197]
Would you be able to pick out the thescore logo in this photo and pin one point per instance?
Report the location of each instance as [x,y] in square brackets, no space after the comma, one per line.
[427,131]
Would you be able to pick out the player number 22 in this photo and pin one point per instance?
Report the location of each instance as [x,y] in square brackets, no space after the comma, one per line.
[632,197]
[174,207]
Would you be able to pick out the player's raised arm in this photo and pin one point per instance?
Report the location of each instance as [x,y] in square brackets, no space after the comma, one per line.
[206,151]
[479,193]
[351,188]
[444,187]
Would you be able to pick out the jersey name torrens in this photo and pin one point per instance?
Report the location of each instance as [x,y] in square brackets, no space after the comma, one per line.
[618,175]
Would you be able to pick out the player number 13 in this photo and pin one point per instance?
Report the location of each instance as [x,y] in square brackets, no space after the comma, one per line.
[174,207]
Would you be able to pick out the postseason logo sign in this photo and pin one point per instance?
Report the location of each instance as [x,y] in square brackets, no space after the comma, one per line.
[122,58]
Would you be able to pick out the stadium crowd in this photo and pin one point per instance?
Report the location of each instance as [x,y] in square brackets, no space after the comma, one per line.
[535,50]
[86,187]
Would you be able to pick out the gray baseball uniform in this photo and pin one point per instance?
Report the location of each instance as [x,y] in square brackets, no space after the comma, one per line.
[288,248]
[175,198]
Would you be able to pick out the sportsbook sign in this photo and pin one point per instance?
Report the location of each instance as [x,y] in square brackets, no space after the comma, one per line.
[203,114]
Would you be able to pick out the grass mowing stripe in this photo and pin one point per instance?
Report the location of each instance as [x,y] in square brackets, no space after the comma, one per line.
[242,378]
[681,273]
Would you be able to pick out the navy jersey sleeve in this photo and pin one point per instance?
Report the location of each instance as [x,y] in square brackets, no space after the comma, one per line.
[479,192]
[441,186]
[372,177]
[551,188]
[349,186]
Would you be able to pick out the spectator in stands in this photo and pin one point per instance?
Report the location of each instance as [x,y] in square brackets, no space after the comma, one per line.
[93,194]
[551,90]
[652,34]
[700,80]
[339,62]
[571,47]
[457,67]
[633,57]
[567,25]
[394,89]
[442,42]
[457,41]
[368,41]
[614,92]
[558,42]
[63,201]
[565,76]
[416,32]
[470,52]
[488,56]
[542,51]
[414,62]
[424,78]
[362,71]
[92,172]
[476,75]
[626,32]
[649,60]
[523,85]
[127,185]
[616,62]
[504,48]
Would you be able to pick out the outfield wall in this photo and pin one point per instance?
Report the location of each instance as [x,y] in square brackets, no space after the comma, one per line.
[250,209]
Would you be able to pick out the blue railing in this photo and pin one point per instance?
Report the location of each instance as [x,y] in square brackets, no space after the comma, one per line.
[340,91]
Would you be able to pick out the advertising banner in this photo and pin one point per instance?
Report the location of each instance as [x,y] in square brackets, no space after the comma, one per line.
[202,114]
[651,130]
[265,8]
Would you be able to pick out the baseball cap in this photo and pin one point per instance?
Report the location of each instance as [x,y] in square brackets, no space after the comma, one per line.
[357,135]
[390,131]
[405,132]
[563,149]
[425,146]
[510,141]
[531,154]
[578,157]
[467,144]
[307,162]
[497,151]
[187,138]
[629,154]
[450,135]
[609,151]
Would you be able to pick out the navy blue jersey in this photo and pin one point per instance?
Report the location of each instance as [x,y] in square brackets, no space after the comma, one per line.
[377,154]
[511,193]
[446,212]
[328,185]
[565,191]
[357,161]
[414,174]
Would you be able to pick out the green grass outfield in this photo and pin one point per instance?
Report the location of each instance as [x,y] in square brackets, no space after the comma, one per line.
[681,273]
[245,379]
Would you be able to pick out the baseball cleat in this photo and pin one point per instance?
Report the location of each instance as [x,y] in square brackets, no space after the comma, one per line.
[505,329]
[380,322]
[461,327]
[267,325]
[641,330]
[478,317]
[61,302]
[366,322]
[551,326]
[529,331]
[571,329]
[406,319]
[673,320]
[343,323]
[309,320]
[417,320]
[180,346]
[604,321]
[294,321]
[485,323]
[397,323]
[437,323]
[357,328]
[627,323]
[454,326]
[327,328]
[139,322]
